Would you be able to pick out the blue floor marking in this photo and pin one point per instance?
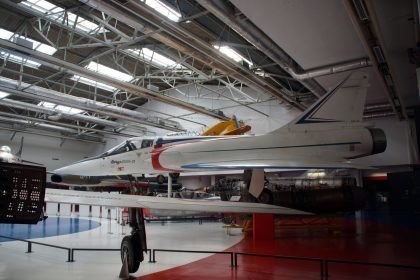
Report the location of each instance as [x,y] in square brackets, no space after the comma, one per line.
[53,226]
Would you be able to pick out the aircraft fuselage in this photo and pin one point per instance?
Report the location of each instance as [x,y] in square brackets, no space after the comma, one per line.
[292,149]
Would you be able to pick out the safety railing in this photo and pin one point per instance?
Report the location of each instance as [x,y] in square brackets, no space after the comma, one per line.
[183,219]
[29,242]
[324,264]
[148,251]
[70,251]
[320,261]
[153,260]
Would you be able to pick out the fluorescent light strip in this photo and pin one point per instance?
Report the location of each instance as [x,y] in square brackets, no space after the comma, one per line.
[61,108]
[231,53]
[93,83]
[163,9]
[3,94]
[155,58]
[107,71]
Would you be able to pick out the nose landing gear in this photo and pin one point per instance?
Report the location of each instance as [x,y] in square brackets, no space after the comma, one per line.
[132,246]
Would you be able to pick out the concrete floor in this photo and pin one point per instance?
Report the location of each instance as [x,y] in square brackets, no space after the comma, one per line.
[50,263]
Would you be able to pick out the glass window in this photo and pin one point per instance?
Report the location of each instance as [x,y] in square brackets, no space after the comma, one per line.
[146,143]
[122,148]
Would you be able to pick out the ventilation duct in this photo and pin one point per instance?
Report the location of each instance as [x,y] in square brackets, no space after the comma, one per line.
[43,94]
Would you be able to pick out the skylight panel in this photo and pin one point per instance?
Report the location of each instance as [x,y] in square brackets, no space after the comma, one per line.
[5,34]
[15,58]
[229,52]
[155,58]
[163,9]
[19,60]
[3,94]
[61,108]
[93,83]
[57,14]
[107,71]
[69,110]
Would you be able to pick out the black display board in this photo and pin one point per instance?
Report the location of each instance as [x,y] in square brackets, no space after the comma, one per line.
[22,193]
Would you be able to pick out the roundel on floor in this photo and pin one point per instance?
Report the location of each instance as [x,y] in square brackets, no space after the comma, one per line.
[53,226]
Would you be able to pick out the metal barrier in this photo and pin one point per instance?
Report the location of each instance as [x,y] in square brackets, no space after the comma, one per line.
[89,249]
[42,244]
[148,251]
[193,251]
[180,219]
[324,263]
[321,262]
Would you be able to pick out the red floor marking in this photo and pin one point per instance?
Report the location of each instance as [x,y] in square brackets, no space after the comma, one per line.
[378,243]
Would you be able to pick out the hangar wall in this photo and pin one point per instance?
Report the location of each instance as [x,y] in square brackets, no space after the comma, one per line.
[47,150]
[261,124]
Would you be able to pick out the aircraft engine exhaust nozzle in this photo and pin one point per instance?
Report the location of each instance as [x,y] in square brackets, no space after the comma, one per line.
[378,140]
[56,178]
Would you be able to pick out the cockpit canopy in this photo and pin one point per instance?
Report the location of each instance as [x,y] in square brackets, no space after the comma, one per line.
[130,145]
[5,149]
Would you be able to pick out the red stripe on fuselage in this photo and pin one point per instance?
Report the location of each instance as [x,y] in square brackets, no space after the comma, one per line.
[157,152]
[155,160]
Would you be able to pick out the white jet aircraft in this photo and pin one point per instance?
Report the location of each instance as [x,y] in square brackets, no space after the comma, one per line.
[327,135]
[6,155]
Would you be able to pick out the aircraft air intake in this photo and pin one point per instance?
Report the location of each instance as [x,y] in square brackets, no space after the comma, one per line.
[56,178]
[378,140]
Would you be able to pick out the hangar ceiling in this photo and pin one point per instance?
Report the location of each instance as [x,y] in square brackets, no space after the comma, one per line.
[85,69]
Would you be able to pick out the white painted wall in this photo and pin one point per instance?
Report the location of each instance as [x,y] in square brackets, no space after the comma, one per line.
[279,114]
[47,150]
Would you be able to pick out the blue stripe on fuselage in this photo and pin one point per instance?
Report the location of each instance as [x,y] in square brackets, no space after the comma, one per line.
[204,166]
[282,147]
[305,119]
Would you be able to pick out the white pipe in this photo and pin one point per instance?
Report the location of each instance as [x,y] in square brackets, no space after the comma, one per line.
[169,185]
[134,89]
[43,94]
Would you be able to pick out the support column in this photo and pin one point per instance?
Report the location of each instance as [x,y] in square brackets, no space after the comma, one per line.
[58,209]
[169,185]
[77,210]
[263,227]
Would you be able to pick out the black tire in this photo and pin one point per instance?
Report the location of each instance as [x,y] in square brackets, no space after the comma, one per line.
[160,179]
[224,197]
[132,250]
[266,197]
[174,176]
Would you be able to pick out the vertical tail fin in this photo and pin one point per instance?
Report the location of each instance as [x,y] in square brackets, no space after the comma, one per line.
[19,153]
[343,104]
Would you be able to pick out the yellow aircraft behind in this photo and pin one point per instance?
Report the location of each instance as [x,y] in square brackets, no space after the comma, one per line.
[230,127]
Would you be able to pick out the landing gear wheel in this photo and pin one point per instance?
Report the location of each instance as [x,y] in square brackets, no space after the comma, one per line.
[160,179]
[174,176]
[266,197]
[131,248]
